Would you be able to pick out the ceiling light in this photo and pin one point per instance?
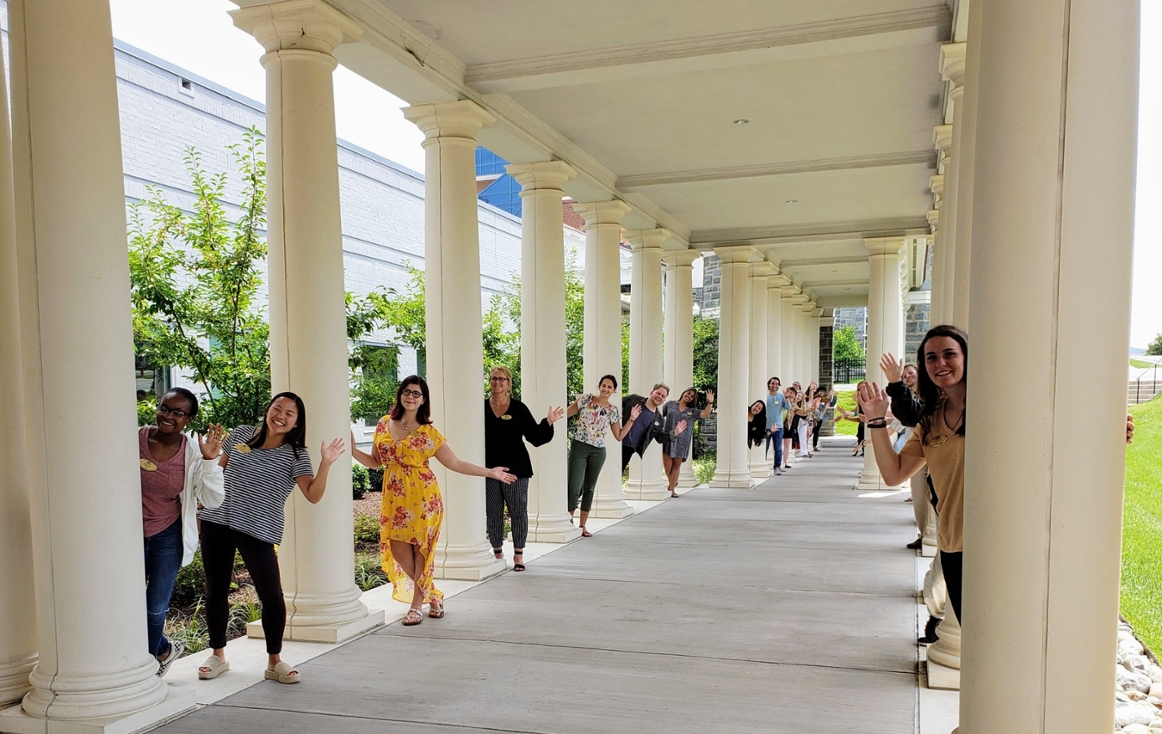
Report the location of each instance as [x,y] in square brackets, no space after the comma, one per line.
[741,121]
[835,270]
[792,201]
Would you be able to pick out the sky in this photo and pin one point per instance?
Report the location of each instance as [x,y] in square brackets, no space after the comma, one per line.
[197,35]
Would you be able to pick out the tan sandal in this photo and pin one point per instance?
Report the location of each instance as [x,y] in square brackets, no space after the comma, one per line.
[436,609]
[283,672]
[413,617]
[212,668]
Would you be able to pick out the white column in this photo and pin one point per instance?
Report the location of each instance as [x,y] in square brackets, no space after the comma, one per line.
[308,322]
[816,315]
[884,327]
[733,366]
[798,344]
[679,335]
[646,480]
[455,348]
[758,372]
[952,69]
[966,168]
[1056,131]
[787,360]
[603,333]
[17,602]
[775,284]
[941,267]
[810,354]
[77,356]
[542,339]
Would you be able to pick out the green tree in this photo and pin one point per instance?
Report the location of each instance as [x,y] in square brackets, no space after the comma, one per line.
[705,354]
[625,355]
[1155,347]
[404,313]
[195,279]
[845,346]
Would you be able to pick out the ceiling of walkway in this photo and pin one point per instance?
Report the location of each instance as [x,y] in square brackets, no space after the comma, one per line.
[645,98]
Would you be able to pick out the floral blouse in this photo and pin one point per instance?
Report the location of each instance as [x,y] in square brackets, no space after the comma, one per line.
[593,421]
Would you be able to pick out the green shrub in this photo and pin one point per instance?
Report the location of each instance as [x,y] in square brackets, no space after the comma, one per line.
[368,572]
[190,584]
[189,628]
[360,482]
[704,468]
[146,411]
[366,530]
[375,480]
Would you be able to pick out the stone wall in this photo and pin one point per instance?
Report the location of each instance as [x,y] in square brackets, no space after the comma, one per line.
[711,285]
[915,327]
[826,374]
[856,317]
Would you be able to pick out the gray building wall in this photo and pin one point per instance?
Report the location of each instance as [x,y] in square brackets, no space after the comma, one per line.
[856,317]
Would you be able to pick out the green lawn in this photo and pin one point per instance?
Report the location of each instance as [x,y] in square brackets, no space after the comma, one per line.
[847,402]
[1139,364]
[1141,600]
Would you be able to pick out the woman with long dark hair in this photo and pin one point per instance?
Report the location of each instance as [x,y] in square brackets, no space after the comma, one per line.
[508,423]
[262,466]
[176,477]
[679,426]
[756,423]
[412,507]
[937,442]
[595,415]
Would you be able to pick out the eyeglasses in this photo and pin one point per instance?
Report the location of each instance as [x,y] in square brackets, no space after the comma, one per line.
[165,410]
[411,394]
[498,379]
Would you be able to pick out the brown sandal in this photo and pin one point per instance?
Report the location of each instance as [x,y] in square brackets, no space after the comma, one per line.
[436,609]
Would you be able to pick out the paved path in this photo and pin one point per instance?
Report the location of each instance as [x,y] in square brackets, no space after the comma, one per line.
[784,608]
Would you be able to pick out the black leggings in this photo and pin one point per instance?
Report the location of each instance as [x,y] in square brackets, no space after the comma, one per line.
[815,435]
[218,545]
[953,566]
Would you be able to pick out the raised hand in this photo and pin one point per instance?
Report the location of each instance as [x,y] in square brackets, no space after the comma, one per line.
[555,414]
[893,368]
[501,474]
[332,451]
[709,395]
[873,400]
[635,411]
[1129,429]
[680,428]
[211,447]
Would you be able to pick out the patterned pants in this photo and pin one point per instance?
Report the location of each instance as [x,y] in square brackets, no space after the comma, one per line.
[516,495]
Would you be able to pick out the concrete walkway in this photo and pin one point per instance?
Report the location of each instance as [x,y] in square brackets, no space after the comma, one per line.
[784,608]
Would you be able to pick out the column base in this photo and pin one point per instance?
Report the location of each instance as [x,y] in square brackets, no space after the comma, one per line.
[610,509]
[761,469]
[646,490]
[177,702]
[731,479]
[942,678]
[14,680]
[325,633]
[552,529]
[686,478]
[473,567]
[872,481]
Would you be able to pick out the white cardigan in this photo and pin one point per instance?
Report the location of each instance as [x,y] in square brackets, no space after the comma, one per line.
[203,483]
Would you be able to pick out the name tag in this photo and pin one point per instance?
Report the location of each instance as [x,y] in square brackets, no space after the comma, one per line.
[242,448]
[506,417]
[148,465]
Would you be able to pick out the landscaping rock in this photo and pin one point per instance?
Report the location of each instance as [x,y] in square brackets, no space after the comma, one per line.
[1133,713]
[1129,680]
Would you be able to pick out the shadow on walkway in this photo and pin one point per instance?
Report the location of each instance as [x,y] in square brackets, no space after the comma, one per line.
[787,607]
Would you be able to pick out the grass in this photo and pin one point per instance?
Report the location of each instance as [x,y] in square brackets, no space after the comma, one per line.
[847,402]
[1139,364]
[1141,596]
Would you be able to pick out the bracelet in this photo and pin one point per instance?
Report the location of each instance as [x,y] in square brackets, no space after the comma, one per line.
[878,423]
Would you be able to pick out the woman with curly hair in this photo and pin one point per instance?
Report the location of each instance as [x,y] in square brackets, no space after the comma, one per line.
[413,510]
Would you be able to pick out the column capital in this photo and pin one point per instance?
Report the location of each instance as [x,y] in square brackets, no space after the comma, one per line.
[680,258]
[942,138]
[307,25]
[647,239]
[790,290]
[817,313]
[460,119]
[798,299]
[549,175]
[602,212]
[735,253]
[809,308]
[763,269]
[952,58]
[884,245]
[778,281]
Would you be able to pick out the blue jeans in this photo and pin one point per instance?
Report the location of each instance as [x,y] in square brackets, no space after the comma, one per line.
[777,437]
[163,558]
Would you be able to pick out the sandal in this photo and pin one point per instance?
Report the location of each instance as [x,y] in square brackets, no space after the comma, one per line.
[413,617]
[585,533]
[499,553]
[283,672]
[673,494]
[436,609]
[518,565]
[212,668]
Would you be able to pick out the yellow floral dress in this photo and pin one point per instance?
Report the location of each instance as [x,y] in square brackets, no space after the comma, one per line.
[412,509]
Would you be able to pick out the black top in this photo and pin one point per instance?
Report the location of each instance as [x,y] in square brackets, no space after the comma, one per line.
[905,405]
[655,431]
[505,436]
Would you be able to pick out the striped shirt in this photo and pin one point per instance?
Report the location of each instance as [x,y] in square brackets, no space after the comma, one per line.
[258,481]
